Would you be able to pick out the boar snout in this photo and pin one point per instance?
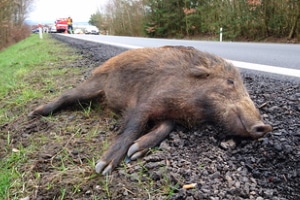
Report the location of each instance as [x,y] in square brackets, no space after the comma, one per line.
[259,130]
[244,119]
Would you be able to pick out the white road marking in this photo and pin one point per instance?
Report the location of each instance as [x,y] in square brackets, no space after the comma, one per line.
[267,68]
[111,43]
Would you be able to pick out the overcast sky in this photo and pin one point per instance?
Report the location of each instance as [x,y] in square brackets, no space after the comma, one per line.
[50,10]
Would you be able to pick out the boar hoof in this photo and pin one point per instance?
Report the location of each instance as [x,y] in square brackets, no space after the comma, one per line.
[134,152]
[151,139]
[33,114]
[39,111]
[103,167]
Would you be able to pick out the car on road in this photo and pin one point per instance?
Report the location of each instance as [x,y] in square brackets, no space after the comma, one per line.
[36,30]
[91,30]
[78,31]
[53,29]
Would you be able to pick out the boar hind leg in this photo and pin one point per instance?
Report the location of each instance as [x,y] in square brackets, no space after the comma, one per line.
[151,139]
[86,91]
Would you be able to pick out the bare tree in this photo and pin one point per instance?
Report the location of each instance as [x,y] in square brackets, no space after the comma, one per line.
[295,19]
[12,17]
[125,17]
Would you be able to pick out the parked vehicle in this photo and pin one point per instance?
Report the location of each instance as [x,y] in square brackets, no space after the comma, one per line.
[91,30]
[52,29]
[78,31]
[36,30]
[61,25]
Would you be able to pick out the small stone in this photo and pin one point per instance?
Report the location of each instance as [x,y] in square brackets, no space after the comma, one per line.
[75,152]
[165,146]
[25,198]
[229,144]
[278,147]
[45,156]
[237,184]
[71,117]
[205,190]
[153,165]
[89,192]
[51,90]
[15,150]
[199,195]
[247,188]
[253,181]
[97,187]
[264,141]
[277,133]
[125,193]
[155,176]
[229,180]
[215,175]
[274,109]
[25,135]
[182,193]
[134,177]
[268,193]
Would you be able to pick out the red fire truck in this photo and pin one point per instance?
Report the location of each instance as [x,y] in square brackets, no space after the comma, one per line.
[61,25]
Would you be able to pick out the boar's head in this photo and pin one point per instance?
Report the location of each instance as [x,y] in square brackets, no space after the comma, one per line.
[226,100]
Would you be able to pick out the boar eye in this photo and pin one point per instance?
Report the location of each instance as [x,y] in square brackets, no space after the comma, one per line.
[230,81]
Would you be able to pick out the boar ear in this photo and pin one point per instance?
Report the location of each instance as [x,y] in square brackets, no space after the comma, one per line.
[199,71]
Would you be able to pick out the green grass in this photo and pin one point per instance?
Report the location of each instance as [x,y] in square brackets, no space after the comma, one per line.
[9,172]
[27,70]
[23,66]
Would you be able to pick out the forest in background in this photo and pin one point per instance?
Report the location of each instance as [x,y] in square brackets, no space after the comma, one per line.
[12,17]
[251,20]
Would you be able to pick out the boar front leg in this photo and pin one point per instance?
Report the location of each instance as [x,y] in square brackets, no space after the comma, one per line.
[134,124]
[151,139]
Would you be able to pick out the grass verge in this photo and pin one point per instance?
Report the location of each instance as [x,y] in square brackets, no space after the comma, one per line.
[25,68]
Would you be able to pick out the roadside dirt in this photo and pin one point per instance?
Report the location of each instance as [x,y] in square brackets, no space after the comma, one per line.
[60,165]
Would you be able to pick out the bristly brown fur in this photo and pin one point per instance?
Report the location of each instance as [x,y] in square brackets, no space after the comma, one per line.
[162,86]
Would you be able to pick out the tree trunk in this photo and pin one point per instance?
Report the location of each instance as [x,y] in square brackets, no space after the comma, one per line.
[295,22]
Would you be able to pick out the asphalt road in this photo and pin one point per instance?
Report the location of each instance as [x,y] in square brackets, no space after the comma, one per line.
[280,59]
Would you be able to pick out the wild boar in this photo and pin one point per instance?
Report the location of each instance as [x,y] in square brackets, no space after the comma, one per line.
[158,87]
